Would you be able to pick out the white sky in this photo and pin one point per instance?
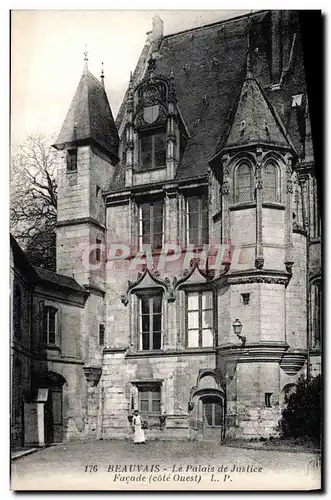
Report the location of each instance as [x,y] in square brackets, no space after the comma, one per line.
[47,57]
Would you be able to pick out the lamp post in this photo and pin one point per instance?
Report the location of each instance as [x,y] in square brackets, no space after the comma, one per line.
[237,328]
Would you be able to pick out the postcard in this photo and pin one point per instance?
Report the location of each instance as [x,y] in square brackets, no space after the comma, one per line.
[165,251]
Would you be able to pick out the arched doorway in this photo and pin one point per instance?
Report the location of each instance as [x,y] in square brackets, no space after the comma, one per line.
[208,413]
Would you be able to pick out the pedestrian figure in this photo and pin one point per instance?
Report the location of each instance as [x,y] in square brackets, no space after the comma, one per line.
[139,435]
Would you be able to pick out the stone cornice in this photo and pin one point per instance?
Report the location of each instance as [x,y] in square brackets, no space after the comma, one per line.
[114,350]
[269,352]
[259,276]
[170,353]
[81,220]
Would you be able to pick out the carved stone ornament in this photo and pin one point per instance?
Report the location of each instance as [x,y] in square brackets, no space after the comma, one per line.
[92,375]
[289,186]
[288,266]
[155,276]
[170,286]
[152,114]
[259,262]
[151,95]
[276,280]
[225,187]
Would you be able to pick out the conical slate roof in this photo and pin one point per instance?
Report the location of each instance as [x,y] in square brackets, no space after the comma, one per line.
[255,120]
[89,118]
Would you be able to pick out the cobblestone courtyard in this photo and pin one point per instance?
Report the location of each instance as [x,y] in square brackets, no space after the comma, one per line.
[119,465]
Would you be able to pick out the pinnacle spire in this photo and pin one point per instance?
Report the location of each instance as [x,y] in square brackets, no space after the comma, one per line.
[102,76]
[85,60]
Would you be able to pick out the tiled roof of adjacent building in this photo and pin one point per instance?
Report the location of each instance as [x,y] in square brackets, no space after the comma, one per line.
[89,117]
[56,279]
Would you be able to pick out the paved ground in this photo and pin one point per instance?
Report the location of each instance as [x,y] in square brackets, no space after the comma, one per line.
[118,465]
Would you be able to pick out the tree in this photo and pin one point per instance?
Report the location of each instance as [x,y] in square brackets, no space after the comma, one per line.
[302,416]
[33,199]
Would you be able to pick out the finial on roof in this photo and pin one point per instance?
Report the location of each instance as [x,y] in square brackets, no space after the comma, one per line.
[130,94]
[85,59]
[102,76]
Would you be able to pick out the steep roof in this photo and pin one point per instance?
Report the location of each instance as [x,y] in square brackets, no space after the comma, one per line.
[254,121]
[211,61]
[59,280]
[89,117]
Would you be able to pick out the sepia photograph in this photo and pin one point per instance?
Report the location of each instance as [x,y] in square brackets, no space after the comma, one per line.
[165,250]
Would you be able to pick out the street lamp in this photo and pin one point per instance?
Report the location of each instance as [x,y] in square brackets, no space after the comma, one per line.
[237,328]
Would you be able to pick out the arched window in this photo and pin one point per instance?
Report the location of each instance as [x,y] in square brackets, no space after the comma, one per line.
[315,314]
[243,183]
[270,183]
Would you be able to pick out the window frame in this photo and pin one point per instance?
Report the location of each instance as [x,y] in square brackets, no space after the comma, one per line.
[151,219]
[200,211]
[72,157]
[47,309]
[277,186]
[148,387]
[200,292]
[236,200]
[152,133]
[150,294]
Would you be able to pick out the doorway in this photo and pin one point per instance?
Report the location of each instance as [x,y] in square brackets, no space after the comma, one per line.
[53,416]
[213,418]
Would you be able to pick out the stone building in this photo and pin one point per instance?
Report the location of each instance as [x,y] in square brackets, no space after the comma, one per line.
[46,313]
[192,225]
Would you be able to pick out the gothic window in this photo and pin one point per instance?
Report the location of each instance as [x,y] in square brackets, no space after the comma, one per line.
[197,227]
[72,160]
[153,148]
[270,183]
[199,319]
[49,325]
[244,183]
[315,314]
[149,398]
[17,312]
[150,328]
[151,224]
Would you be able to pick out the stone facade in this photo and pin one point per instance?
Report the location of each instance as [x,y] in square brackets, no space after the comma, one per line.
[195,376]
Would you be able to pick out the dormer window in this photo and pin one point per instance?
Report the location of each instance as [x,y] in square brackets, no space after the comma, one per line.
[153,146]
[72,160]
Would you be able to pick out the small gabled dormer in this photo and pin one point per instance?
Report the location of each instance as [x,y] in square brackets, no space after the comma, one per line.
[155,134]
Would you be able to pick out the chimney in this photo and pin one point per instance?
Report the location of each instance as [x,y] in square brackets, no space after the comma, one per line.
[157,33]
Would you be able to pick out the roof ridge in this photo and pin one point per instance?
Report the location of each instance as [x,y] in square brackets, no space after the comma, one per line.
[221,21]
[88,72]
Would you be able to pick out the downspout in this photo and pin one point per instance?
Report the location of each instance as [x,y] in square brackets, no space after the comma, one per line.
[305,220]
